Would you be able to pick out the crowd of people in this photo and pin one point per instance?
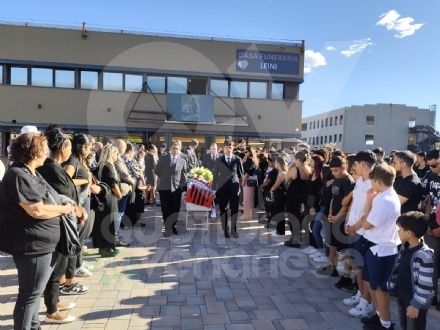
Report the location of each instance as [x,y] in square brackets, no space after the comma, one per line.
[376,214]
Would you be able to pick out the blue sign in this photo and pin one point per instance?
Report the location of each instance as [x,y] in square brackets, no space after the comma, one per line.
[267,62]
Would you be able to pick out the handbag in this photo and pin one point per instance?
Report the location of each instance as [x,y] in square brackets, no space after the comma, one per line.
[252,181]
[69,245]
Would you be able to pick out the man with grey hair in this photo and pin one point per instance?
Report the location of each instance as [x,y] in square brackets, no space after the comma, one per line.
[172,172]
[127,184]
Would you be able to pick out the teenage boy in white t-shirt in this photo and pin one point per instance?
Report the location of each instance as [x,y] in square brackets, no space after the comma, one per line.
[381,238]
[363,165]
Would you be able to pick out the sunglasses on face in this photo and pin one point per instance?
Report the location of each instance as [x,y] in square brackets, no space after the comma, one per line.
[433,165]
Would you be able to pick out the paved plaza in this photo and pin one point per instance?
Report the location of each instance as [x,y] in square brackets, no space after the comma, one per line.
[200,280]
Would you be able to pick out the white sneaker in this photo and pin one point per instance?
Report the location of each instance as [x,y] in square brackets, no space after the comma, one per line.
[363,309]
[66,308]
[83,272]
[315,255]
[321,258]
[68,319]
[353,300]
[309,250]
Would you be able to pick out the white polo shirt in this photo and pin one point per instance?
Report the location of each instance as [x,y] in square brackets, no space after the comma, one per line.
[383,216]
[357,209]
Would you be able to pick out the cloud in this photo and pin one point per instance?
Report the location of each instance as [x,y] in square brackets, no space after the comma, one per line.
[403,26]
[357,46]
[313,60]
[331,48]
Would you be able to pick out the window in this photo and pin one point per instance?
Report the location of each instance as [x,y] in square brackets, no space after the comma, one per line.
[325,139]
[257,90]
[336,120]
[310,125]
[317,123]
[112,81]
[321,140]
[336,138]
[219,87]
[369,140]
[19,76]
[314,124]
[89,79]
[370,120]
[326,122]
[412,122]
[42,77]
[340,137]
[1,77]
[133,82]
[330,139]
[304,127]
[177,85]
[155,84]
[239,89]
[310,140]
[340,119]
[331,121]
[277,91]
[313,140]
[322,123]
[64,79]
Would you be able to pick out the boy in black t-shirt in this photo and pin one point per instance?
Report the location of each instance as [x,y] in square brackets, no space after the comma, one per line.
[432,237]
[343,184]
[408,187]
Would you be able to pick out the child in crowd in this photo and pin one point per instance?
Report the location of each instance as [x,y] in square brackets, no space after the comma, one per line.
[361,301]
[343,184]
[381,239]
[411,277]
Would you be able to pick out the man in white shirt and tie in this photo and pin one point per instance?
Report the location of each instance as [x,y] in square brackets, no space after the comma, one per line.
[226,183]
[172,171]
[209,159]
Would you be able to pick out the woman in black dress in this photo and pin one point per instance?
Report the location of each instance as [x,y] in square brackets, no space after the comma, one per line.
[296,200]
[105,218]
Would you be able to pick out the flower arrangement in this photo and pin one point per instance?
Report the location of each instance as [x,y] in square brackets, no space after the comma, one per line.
[201,174]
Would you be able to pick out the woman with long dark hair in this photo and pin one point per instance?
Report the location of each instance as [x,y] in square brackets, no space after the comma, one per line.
[60,148]
[250,165]
[278,195]
[78,169]
[314,186]
[297,179]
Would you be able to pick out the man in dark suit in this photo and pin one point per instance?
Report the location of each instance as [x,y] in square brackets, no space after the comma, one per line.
[182,154]
[172,171]
[192,156]
[210,159]
[226,184]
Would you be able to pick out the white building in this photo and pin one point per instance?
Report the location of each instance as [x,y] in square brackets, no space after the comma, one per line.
[355,128]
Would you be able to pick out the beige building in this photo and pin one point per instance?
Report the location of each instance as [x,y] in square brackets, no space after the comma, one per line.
[117,83]
[369,126]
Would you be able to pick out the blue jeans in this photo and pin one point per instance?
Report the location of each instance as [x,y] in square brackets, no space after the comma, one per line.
[122,205]
[33,274]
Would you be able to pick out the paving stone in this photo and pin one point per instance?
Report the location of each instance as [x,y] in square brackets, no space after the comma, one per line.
[215,319]
[216,308]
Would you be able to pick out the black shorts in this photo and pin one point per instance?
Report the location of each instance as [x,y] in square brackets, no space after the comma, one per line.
[377,270]
[338,237]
